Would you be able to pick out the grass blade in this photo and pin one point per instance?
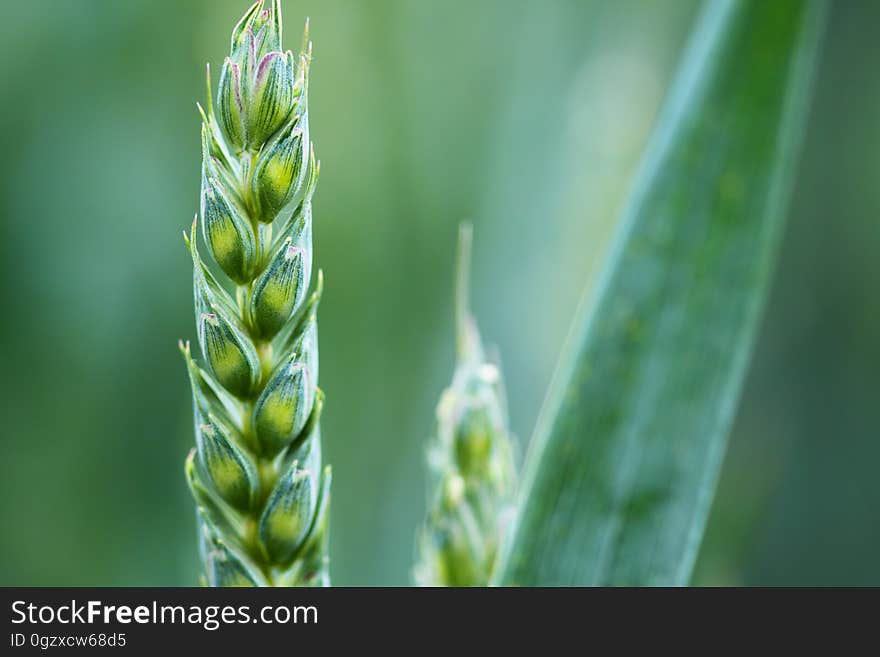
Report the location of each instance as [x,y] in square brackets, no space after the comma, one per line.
[628,448]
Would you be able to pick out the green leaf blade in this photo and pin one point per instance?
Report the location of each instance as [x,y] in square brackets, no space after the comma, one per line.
[627,451]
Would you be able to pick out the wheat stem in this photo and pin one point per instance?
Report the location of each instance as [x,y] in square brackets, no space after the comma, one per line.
[261,492]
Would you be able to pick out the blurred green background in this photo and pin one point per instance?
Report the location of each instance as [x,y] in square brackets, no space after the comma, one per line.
[527,118]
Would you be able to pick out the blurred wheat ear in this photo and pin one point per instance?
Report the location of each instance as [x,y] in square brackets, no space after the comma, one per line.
[627,451]
[471,456]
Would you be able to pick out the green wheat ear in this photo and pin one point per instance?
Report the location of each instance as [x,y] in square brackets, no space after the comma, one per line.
[471,459]
[261,491]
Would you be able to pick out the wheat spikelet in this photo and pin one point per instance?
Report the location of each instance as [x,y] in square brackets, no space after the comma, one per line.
[261,491]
